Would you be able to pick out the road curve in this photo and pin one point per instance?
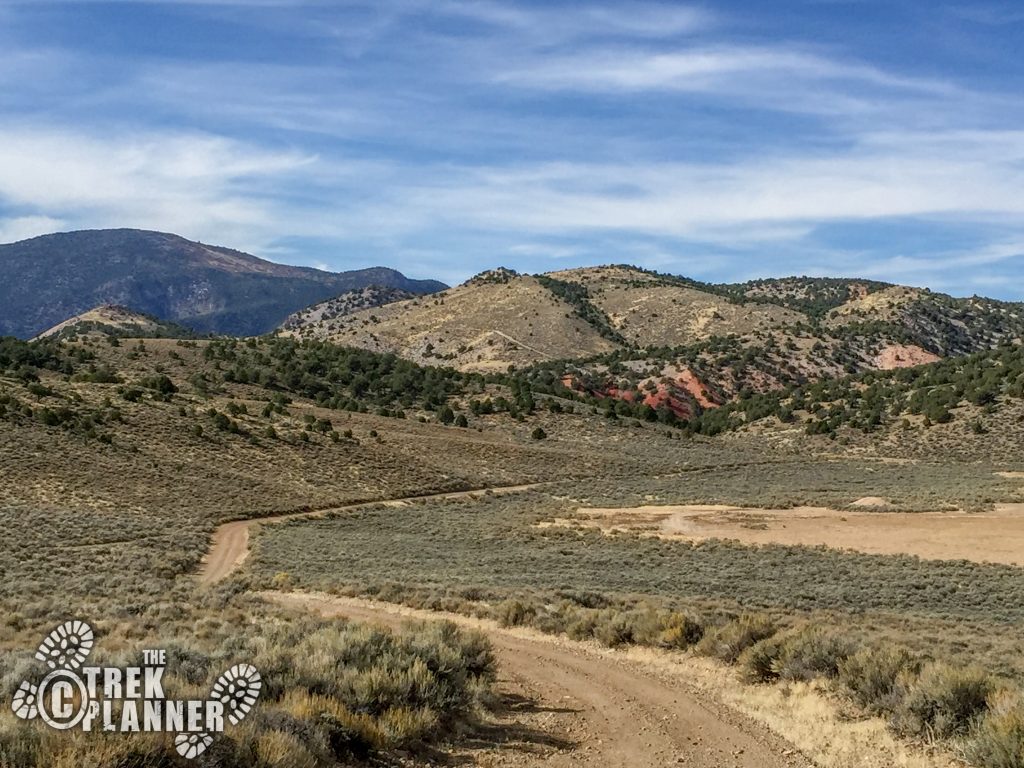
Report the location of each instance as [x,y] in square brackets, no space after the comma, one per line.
[598,710]
[230,544]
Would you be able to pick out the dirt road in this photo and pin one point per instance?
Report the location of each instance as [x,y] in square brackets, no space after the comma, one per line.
[230,545]
[571,705]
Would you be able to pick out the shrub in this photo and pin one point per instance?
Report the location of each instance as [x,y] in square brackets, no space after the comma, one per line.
[159,383]
[19,746]
[680,631]
[132,394]
[515,613]
[403,727]
[760,662]
[812,652]
[802,654]
[728,641]
[999,739]
[276,749]
[615,629]
[944,702]
[873,675]
[583,626]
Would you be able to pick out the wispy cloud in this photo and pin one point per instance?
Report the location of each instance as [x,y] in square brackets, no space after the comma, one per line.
[442,135]
[957,175]
[547,24]
[16,228]
[702,69]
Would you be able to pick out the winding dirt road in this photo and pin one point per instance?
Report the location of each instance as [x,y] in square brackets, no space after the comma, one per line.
[569,704]
[564,703]
[230,545]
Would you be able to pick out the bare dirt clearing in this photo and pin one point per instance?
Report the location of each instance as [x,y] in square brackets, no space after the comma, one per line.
[983,537]
[580,707]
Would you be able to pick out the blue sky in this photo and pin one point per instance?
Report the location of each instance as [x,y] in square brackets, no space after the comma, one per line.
[723,141]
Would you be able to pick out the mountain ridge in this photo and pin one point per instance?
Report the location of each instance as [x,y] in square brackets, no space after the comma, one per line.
[53,277]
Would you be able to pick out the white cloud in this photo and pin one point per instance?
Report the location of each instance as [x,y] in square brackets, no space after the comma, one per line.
[937,264]
[195,184]
[250,196]
[17,228]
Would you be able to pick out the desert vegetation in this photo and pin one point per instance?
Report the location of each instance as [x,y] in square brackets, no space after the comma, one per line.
[335,693]
[199,432]
[931,646]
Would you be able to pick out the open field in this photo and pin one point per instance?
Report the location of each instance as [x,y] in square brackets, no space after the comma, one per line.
[230,545]
[996,536]
[496,545]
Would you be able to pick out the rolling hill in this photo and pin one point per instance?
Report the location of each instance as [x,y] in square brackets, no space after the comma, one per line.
[786,330]
[497,319]
[648,309]
[53,277]
[665,346]
[114,320]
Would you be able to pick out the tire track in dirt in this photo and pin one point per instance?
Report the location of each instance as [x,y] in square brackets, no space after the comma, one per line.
[230,544]
[590,708]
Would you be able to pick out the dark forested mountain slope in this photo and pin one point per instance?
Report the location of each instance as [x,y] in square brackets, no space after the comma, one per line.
[50,278]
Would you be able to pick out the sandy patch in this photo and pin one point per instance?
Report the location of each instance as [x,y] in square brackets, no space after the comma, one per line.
[1011,475]
[875,502]
[993,537]
[903,356]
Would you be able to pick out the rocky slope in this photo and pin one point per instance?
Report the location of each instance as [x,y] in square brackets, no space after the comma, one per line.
[321,320]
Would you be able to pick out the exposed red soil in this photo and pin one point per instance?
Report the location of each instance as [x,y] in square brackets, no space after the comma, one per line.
[680,394]
[689,381]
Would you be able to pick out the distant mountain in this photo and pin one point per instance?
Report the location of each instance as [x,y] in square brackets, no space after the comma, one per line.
[46,280]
